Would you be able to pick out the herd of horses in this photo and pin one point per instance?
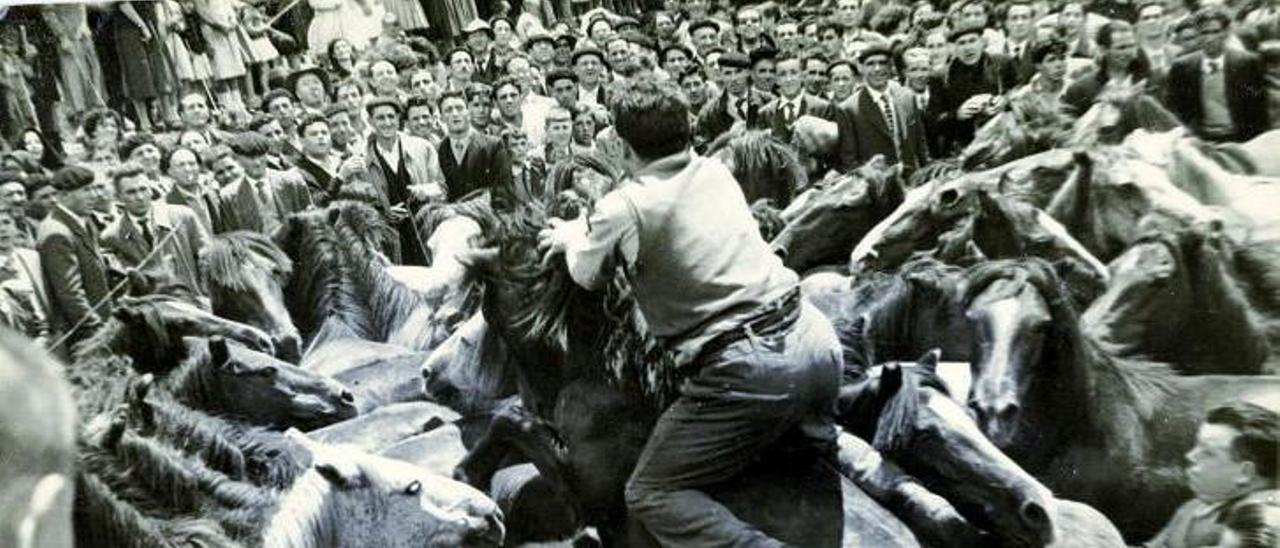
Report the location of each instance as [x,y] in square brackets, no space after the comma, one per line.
[1031,336]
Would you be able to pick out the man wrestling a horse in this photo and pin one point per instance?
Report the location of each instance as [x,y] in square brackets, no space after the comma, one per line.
[761,365]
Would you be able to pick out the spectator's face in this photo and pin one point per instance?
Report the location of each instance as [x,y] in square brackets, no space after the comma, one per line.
[842,81]
[274,134]
[816,80]
[310,90]
[789,78]
[920,12]
[1054,67]
[184,168]
[697,9]
[763,75]
[735,79]
[542,52]
[748,24]
[695,89]
[420,83]
[664,25]
[973,14]
[227,170]
[876,71]
[917,73]
[809,35]
[519,145]
[420,121]
[195,111]
[509,101]
[831,42]
[1187,40]
[1123,50]
[194,141]
[385,78]
[706,38]
[351,95]
[565,92]
[31,143]
[13,195]
[8,229]
[480,106]
[456,116]
[849,12]
[1151,21]
[134,195]
[478,42]
[1017,22]
[502,32]
[340,128]
[1213,38]
[461,66]
[559,130]
[316,139]
[343,52]
[1213,473]
[147,156]
[282,110]
[600,31]
[675,62]
[84,199]
[620,56]
[101,196]
[589,68]
[107,132]
[1071,18]
[584,130]
[788,37]
[939,50]
[41,201]
[969,48]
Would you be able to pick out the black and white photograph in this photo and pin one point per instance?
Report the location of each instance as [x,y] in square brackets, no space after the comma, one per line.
[639,273]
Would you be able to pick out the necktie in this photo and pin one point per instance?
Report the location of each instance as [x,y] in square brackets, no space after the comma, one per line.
[889,117]
[790,113]
[459,150]
[144,226]
[1213,67]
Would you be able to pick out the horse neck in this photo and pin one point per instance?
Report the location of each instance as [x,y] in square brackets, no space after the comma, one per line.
[1122,396]
[307,516]
[1235,331]
[195,384]
[390,302]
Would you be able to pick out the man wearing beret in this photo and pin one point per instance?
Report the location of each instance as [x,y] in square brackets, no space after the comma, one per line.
[970,90]
[881,118]
[71,260]
[736,104]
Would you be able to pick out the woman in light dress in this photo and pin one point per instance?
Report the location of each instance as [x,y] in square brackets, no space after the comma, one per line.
[356,21]
[81,76]
[219,26]
[191,67]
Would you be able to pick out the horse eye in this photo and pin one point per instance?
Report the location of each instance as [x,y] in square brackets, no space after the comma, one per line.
[949,197]
[413,488]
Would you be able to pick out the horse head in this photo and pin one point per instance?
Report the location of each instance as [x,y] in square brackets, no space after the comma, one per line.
[1148,299]
[245,273]
[764,166]
[927,432]
[355,498]
[1121,108]
[260,388]
[846,207]
[1029,124]
[149,330]
[1016,309]
[926,212]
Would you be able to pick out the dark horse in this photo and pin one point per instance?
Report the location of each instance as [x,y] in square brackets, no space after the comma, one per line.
[1094,428]
[1174,298]
[593,383]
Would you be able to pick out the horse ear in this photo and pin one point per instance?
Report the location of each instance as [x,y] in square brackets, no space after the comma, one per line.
[890,379]
[929,361]
[334,213]
[340,473]
[218,351]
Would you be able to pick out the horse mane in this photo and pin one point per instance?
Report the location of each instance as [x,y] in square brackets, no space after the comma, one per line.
[198,434]
[104,519]
[320,287]
[921,285]
[1138,110]
[761,160]
[192,383]
[306,517]
[1042,119]
[228,259]
[937,171]
[388,302]
[147,347]
[896,423]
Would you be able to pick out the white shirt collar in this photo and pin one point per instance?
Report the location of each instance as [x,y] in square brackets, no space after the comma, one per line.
[1219,60]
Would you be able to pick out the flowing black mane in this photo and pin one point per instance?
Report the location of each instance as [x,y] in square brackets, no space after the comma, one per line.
[136,329]
[922,289]
[320,286]
[227,258]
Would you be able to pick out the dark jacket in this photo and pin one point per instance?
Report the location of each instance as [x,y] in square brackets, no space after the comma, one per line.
[950,88]
[1246,92]
[864,132]
[486,165]
[75,273]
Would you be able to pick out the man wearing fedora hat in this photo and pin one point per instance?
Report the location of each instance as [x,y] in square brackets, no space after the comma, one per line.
[541,49]
[311,86]
[592,69]
[881,118]
[480,41]
[71,259]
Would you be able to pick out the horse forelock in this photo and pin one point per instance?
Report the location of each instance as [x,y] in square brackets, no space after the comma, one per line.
[320,287]
[229,259]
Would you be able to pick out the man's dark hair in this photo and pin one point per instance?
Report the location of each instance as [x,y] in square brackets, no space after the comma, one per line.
[814,55]
[558,74]
[653,118]
[693,70]
[275,95]
[334,109]
[1259,438]
[1045,48]
[124,171]
[309,119]
[417,101]
[477,89]
[451,94]
[167,159]
[505,81]
[448,58]
[136,141]
[252,144]
[1211,14]
[382,102]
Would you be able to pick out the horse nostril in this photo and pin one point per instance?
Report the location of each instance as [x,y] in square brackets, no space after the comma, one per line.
[347,396]
[1036,518]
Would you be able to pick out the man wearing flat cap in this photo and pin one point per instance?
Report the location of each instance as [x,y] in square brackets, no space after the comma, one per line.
[541,49]
[970,90]
[589,63]
[881,118]
[734,105]
[479,41]
[71,262]
[705,36]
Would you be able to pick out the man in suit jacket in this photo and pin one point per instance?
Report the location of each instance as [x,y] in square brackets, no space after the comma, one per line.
[183,167]
[1020,38]
[793,101]
[737,103]
[140,236]
[406,172]
[479,36]
[1219,93]
[71,261]
[256,198]
[881,118]
[964,95]
[471,160]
